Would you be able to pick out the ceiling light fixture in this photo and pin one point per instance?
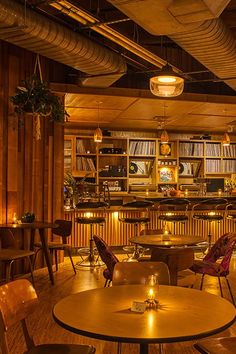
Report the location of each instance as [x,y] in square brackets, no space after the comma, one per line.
[98,132]
[167,83]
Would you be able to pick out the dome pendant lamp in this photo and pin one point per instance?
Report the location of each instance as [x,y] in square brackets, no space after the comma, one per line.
[167,83]
[226,140]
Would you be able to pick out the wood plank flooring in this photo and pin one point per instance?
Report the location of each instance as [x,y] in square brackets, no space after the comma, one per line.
[45,330]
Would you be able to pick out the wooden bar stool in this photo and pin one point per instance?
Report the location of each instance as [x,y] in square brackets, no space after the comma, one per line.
[94,199]
[136,206]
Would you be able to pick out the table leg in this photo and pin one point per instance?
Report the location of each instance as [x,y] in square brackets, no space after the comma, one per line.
[46,254]
[143,348]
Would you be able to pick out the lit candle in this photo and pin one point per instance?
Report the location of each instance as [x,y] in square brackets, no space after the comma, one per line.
[147,191]
[151,294]
[14,219]
[219,192]
[186,192]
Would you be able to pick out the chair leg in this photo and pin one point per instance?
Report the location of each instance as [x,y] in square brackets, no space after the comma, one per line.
[35,257]
[56,260]
[31,271]
[221,291]
[203,275]
[230,291]
[119,348]
[71,260]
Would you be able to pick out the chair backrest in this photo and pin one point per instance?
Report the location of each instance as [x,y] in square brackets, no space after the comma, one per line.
[223,247]
[18,299]
[137,272]
[105,253]
[7,239]
[64,229]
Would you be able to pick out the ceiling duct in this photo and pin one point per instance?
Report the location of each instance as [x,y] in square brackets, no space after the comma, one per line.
[41,35]
[194,26]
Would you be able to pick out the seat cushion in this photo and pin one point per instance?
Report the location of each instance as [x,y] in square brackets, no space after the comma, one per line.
[209,268]
[90,220]
[138,220]
[174,218]
[224,345]
[62,349]
[13,254]
[208,217]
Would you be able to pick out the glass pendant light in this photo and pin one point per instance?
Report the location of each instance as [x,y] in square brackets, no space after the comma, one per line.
[167,83]
[226,140]
[98,132]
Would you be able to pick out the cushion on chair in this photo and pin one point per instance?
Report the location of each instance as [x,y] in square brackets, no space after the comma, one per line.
[90,220]
[217,345]
[138,220]
[204,267]
[173,218]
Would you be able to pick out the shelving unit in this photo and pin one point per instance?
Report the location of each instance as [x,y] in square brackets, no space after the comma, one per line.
[144,164]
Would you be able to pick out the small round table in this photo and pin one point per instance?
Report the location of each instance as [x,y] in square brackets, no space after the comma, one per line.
[183,314]
[41,226]
[169,249]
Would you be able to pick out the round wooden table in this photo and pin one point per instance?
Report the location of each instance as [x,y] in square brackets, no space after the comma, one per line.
[183,314]
[170,249]
[41,226]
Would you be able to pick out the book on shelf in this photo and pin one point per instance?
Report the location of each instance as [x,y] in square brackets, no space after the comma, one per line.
[213,166]
[229,151]
[85,164]
[191,149]
[142,148]
[213,149]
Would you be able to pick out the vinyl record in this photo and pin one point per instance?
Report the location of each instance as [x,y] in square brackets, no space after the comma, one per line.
[181,168]
[133,168]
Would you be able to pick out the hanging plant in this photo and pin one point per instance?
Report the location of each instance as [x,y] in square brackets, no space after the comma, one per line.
[35,97]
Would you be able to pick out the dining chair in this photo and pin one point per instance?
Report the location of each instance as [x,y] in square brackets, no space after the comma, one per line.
[9,254]
[108,257]
[18,299]
[63,230]
[217,261]
[126,273]
[224,345]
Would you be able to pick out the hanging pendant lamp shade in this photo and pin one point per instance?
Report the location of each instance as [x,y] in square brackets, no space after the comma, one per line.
[97,135]
[164,138]
[226,140]
[167,83]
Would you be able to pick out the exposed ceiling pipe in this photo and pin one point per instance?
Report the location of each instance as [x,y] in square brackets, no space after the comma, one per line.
[41,35]
[194,26]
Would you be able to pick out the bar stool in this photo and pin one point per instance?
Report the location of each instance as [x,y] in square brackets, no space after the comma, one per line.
[216,208]
[136,206]
[173,210]
[93,200]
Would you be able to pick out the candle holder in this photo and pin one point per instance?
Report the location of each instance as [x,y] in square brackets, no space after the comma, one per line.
[152,283]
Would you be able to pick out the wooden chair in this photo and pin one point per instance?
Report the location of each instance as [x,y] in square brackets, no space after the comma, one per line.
[9,254]
[18,300]
[226,345]
[136,273]
[64,231]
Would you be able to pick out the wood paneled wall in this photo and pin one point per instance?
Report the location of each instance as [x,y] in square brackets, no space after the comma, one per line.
[31,171]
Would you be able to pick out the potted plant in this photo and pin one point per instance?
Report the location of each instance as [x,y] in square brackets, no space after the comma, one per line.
[35,97]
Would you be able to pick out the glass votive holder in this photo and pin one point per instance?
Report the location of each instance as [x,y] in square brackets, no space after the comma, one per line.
[152,290]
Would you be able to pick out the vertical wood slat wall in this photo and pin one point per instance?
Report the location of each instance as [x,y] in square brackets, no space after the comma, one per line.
[31,172]
[115,232]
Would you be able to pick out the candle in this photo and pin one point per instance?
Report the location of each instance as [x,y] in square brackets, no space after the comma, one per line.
[186,192]
[151,294]
[14,219]
[219,192]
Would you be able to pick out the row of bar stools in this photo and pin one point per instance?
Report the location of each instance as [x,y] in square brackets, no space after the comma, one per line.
[134,206]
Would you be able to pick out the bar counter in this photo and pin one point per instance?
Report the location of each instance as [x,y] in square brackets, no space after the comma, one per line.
[115,232]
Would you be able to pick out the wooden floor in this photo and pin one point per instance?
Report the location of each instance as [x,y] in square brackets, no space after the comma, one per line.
[45,330]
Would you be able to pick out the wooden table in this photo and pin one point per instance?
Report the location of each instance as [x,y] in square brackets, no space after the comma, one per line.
[41,226]
[171,250]
[183,314]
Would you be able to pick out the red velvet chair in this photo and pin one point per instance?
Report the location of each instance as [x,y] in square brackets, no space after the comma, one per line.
[210,265]
[107,257]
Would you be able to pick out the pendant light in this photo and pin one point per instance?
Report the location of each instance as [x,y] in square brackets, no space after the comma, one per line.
[164,138]
[98,132]
[226,140]
[167,83]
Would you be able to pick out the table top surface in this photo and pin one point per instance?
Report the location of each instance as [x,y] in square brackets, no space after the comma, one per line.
[182,314]
[166,240]
[30,225]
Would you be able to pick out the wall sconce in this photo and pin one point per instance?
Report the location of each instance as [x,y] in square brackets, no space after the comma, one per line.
[167,83]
